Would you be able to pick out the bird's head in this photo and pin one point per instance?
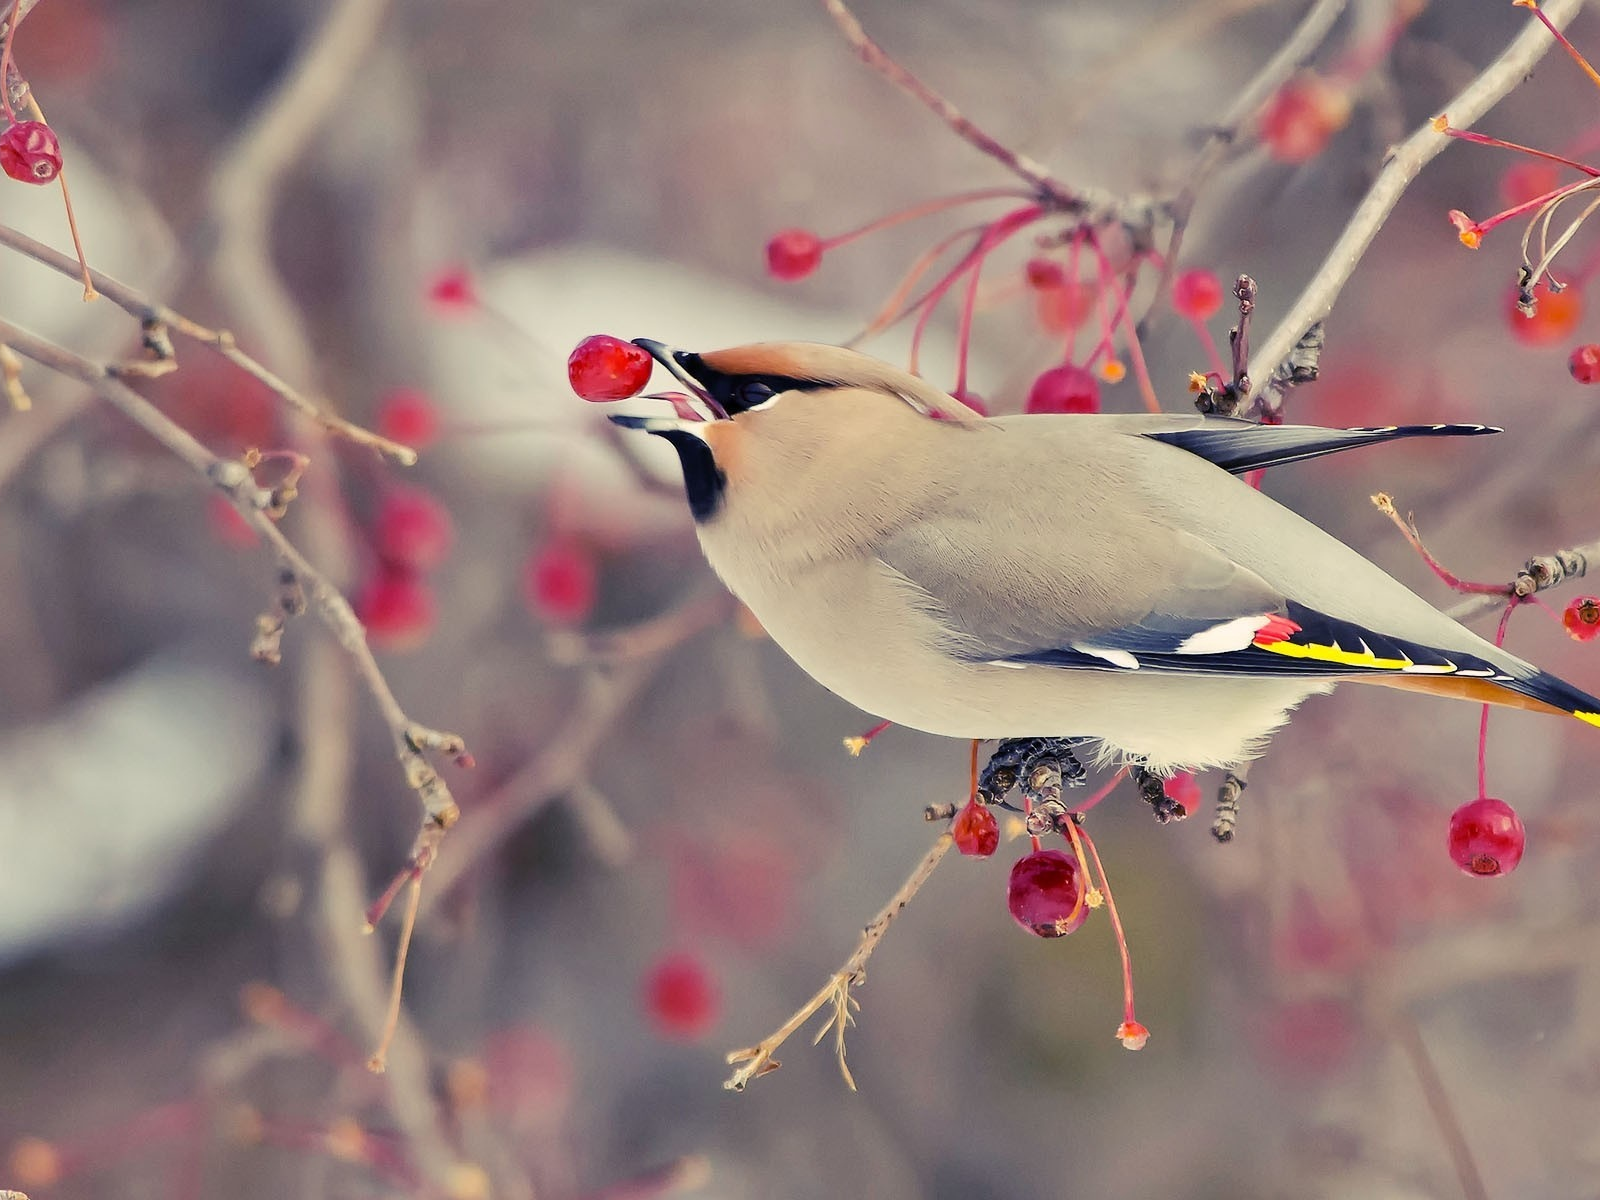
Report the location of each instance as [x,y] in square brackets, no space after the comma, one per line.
[786,415]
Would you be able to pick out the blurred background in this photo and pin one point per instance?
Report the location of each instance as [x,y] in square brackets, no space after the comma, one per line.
[415,211]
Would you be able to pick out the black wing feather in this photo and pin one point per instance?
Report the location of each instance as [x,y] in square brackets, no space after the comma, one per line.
[1239,446]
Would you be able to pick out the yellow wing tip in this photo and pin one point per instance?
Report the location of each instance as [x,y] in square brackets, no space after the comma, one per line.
[1592,718]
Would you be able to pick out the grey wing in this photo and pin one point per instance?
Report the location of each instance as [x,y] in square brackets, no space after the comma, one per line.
[1064,584]
[1239,446]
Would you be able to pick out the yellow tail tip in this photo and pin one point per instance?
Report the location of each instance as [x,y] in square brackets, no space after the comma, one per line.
[1591,718]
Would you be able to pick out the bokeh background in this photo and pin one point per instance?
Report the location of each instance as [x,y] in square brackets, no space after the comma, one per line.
[664,848]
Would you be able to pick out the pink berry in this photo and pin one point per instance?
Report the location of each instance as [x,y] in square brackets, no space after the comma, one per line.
[1197,295]
[1064,389]
[407,415]
[1486,837]
[975,830]
[453,290]
[397,607]
[561,582]
[1043,273]
[1585,363]
[1046,893]
[1302,116]
[1185,789]
[681,997]
[413,530]
[30,153]
[1555,315]
[793,254]
[1582,619]
[1528,181]
[607,368]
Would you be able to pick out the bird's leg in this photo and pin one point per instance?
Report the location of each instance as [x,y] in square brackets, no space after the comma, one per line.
[1228,806]
[1017,761]
[1154,790]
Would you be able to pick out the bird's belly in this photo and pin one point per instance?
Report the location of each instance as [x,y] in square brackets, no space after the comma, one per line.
[849,631]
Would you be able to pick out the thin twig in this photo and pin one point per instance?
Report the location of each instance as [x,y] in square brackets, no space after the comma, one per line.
[1034,174]
[1405,163]
[1223,138]
[754,1061]
[1409,1038]
[235,482]
[563,762]
[1538,573]
[156,319]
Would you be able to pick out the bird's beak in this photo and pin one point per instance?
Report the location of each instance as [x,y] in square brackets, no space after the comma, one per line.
[709,386]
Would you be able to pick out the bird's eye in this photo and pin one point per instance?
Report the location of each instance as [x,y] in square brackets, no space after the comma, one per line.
[753,393]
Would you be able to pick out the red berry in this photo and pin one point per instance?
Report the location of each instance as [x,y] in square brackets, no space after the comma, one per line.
[1555,315]
[30,153]
[1486,837]
[397,607]
[407,415]
[1585,364]
[1302,116]
[975,830]
[1064,307]
[608,368]
[1197,295]
[413,530]
[1528,181]
[681,997]
[793,254]
[1044,273]
[1064,389]
[1046,893]
[1185,789]
[1582,618]
[453,290]
[560,581]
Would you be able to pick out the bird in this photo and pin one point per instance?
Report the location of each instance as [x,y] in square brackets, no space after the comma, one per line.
[1104,578]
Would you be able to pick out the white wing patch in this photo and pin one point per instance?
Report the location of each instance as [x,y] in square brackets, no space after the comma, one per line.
[1225,638]
[1117,658]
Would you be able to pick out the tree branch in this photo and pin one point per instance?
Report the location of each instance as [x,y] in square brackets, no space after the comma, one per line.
[1403,166]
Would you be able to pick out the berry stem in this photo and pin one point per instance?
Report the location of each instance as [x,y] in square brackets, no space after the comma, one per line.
[972,766]
[859,742]
[1566,45]
[1109,787]
[896,308]
[1385,505]
[1483,139]
[997,233]
[1209,344]
[1116,924]
[1483,718]
[1141,372]
[917,211]
[391,1017]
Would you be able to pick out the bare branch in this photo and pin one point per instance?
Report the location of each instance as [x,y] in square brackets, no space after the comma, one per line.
[156,319]
[1404,164]
[1034,174]
[755,1061]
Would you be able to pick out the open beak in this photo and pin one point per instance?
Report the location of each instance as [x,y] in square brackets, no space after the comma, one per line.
[688,369]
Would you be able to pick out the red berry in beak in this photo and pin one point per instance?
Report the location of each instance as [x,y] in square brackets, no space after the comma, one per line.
[608,368]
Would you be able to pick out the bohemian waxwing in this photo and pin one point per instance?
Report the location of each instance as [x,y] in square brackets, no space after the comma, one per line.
[1103,577]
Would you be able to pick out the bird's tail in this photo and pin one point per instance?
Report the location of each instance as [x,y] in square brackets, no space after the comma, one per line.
[1520,685]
